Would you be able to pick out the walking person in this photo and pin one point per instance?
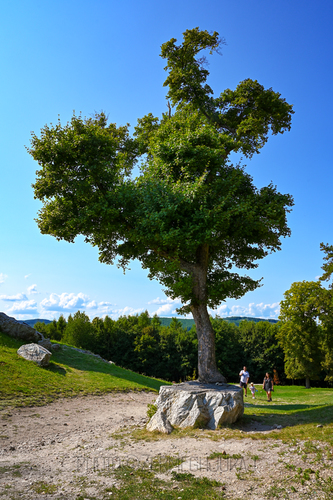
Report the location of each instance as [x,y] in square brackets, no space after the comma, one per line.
[244,378]
[253,390]
[268,386]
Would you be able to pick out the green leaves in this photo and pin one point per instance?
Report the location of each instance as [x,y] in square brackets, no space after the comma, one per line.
[249,113]
[190,212]
[186,72]
[306,334]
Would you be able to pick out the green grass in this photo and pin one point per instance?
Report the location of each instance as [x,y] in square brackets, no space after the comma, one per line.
[142,483]
[297,409]
[70,373]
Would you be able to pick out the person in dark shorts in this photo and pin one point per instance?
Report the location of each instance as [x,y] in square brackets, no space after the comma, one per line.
[244,378]
[267,385]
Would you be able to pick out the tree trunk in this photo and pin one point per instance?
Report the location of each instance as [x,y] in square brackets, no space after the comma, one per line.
[307,383]
[207,370]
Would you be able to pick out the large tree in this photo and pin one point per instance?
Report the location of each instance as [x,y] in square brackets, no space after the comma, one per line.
[300,335]
[192,218]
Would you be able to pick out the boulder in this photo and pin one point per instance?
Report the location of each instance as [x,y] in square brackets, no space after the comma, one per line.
[45,343]
[36,353]
[18,330]
[193,404]
[55,347]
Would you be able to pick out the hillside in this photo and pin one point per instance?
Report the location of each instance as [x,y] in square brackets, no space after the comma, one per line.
[31,322]
[70,373]
[188,323]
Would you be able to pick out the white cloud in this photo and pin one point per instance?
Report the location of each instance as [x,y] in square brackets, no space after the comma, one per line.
[167,300]
[65,302]
[3,277]
[32,289]
[128,311]
[14,298]
[24,307]
[164,310]
[252,310]
[92,305]
[27,276]
[71,302]
[105,308]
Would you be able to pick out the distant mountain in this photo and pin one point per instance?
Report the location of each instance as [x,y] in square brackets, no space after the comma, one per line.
[188,323]
[31,322]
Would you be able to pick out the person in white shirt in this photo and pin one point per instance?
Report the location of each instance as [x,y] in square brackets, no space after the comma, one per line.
[244,378]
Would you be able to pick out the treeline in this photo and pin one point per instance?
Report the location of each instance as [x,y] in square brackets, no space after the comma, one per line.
[142,344]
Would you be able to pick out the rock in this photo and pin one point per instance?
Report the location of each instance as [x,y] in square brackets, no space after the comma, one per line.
[193,404]
[36,353]
[159,422]
[45,343]
[56,347]
[18,330]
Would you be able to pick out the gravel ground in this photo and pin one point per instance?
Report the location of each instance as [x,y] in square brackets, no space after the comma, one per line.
[69,449]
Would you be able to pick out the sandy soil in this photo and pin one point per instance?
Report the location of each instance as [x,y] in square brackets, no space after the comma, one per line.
[72,446]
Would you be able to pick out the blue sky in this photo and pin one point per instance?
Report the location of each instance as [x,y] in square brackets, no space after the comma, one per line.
[56,57]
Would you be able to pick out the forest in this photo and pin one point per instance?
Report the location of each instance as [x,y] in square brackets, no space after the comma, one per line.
[142,344]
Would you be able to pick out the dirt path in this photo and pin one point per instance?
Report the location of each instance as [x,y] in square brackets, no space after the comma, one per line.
[69,448]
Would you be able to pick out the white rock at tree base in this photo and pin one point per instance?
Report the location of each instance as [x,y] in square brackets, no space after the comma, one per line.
[159,422]
[36,353]
[192,404]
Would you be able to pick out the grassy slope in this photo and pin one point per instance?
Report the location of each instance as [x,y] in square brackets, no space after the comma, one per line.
[70,373]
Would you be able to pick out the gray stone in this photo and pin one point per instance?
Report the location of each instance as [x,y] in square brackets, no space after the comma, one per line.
[160,423]
[193,404]
[45,343]
[36,353]
[18,330]
[56,347]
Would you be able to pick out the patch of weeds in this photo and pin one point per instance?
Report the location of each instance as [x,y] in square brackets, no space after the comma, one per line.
[163,464]
[275,492]
[141,483]
[14,469]
[34,415]
[224,455]
[290,466]
[243,475]
[182,476]
[328,486]
[253,457]
[187,477]
[43,487]
[309,447]
[152,409]
[307,472]
[6,416]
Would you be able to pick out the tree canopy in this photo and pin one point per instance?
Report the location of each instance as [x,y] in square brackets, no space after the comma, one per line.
[191,217]
[306,332]
[300,334]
